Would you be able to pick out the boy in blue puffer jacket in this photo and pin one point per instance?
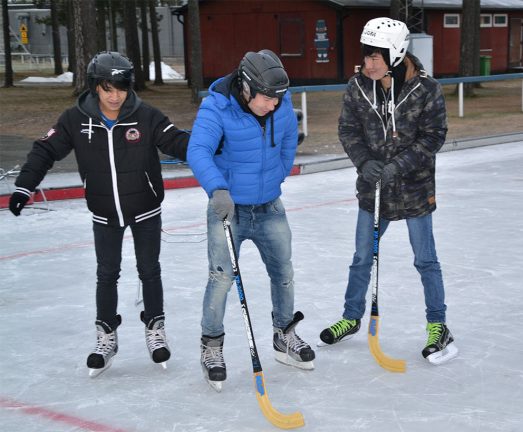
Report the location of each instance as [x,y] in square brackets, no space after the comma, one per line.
[242,148]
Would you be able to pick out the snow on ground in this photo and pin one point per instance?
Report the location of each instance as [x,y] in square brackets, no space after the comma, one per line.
[168,73]
[47,268]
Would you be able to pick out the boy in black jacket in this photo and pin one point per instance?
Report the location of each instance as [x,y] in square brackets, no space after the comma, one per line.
[115,137]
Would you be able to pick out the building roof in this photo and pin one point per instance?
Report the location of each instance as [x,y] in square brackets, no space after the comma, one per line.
[433,4]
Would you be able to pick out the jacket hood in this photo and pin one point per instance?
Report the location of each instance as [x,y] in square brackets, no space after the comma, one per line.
[221,89]
[88,104]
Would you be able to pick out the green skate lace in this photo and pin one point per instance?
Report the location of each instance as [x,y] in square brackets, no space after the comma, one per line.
[342,326]
[435,330]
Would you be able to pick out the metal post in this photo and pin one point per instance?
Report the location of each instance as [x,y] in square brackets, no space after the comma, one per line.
[304,111]
[460,92]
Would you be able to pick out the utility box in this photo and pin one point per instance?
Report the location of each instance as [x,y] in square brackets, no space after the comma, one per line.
[421,45]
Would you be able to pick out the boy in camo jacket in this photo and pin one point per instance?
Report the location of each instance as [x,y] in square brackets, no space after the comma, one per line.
[392,124]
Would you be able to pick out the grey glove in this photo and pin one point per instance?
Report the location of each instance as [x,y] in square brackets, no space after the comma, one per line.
[371,170]
[389,172]
[222,204]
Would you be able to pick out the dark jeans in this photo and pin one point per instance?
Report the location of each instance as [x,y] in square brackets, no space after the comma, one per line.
[108,245]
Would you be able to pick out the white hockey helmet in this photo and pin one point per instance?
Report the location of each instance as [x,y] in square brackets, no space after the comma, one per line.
[387,33]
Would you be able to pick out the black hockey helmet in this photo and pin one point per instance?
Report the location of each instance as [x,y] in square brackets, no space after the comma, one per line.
[111,67]
[263,72]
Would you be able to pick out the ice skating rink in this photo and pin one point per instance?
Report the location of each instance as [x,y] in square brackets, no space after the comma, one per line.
[47,286]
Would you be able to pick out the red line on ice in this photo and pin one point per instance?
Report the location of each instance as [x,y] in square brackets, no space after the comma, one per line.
[58,417]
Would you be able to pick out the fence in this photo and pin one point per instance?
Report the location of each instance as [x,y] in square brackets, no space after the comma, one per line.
[443,81]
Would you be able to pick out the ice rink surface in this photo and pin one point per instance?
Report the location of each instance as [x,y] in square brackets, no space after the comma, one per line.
[47,309]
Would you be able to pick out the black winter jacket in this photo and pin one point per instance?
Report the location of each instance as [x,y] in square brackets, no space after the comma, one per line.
[421,123]
[119,167]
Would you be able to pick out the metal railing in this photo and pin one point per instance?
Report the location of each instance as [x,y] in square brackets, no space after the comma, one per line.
[443,81]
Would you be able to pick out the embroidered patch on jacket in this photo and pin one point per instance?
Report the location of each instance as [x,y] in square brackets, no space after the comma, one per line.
[49,134]
[133,135]
[432,200]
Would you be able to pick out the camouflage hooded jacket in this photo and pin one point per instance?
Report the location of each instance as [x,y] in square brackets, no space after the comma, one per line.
[421,124]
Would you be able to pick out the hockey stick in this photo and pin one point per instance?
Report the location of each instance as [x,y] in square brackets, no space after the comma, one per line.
[386,362]
[278,419]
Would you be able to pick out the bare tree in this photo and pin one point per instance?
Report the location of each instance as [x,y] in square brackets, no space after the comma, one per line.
[8,81]
[132,45]
[71,56]
[101,29]
[84,14]
[470,27]
[145,38]
[55,31]
[395,8]
[158,80]
[196,77]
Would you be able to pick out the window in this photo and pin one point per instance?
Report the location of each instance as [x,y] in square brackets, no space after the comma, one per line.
[451,20]
[292,37]
[500,20]
[485,20]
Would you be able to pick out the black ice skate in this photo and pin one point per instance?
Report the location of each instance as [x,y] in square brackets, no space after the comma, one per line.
[440,346]
[342,330]
[213,364]
[290,349]
[156,340]
[106,347]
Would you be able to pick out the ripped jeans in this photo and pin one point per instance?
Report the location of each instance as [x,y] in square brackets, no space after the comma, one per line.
[266,225]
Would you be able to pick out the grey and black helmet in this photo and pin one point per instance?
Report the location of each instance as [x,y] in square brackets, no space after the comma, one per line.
[263,72]
[111,67]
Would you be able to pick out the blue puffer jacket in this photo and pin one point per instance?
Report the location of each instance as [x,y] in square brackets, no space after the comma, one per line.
[252,163]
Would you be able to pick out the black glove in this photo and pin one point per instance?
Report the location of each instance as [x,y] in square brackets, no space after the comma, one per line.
[17,202]
[389,172]
[222,204]
[371,170]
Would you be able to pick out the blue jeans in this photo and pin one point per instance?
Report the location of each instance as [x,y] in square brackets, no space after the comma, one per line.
[425,261]
[108,245]
[266,225]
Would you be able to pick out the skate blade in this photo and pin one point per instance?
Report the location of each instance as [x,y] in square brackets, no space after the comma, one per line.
[443,356]
[289,361]
[93,373]
[215,385]
[321,344]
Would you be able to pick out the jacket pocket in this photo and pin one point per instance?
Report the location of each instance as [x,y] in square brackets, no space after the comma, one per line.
[150,184]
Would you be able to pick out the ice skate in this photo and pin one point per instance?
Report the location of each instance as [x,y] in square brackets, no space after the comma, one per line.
[213,364]
[106,347]
[343,330]
[290,349]
[156,340]
[440,346]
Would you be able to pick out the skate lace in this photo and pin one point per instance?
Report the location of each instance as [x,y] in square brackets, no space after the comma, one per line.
[105,342]
[294,342]
[434,330]
[213,357]
[342,327]
[155,339]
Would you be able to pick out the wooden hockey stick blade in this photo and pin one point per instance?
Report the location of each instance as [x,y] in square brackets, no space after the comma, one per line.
[278,419]
[386,362]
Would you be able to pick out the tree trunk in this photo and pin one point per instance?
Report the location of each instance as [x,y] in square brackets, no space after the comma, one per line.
[395,9]
[132,45]
[145,38]
[101,29]
[196,77]
[8,81]
[71,50]
[57,47]
[112,25]
[158,80]
[470,28]
[85,45]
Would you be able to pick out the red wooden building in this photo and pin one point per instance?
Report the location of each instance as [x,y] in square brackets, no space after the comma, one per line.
[318,40]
